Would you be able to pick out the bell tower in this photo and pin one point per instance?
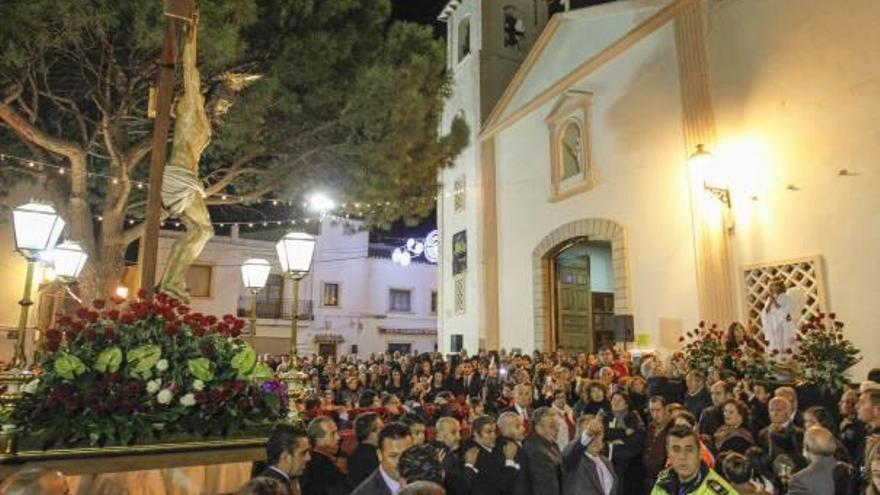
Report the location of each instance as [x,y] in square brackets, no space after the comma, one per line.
[487,40]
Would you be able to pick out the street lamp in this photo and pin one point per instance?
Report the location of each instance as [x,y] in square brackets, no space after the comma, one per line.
[321,203]
[295,251]
[254,273]
[704,164]
[68,259]
[37,228]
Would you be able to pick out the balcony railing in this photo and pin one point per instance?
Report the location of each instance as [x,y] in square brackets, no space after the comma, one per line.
[276,308]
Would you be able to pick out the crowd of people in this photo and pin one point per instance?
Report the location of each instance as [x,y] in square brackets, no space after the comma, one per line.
[565,424]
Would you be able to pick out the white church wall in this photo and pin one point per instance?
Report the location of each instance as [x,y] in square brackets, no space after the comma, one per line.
[797,95]
[639,157]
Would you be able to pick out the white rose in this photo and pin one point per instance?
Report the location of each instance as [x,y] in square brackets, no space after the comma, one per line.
[153,386]
[161,365]
[31,386]
[198,385]
[165,396]
[188,400]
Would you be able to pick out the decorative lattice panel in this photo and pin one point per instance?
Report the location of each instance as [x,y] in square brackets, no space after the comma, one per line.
[459,194]
[804,274]
[459,294]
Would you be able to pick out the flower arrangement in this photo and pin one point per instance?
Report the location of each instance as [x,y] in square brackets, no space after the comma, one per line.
[703,349]
[143,372]
[824,354]
[750,359]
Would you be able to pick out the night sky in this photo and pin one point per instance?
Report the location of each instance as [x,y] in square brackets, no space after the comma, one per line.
[421,11]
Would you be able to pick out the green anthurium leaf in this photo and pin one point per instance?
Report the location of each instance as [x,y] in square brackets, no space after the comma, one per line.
[261,372]
[244,360]
[110,360]
[69,366]
[144,357]
[201,369]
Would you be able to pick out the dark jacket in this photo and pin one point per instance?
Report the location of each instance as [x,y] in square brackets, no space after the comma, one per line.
[322,477]
[455,481]
[493,476]
[362,462]
[275,475]
[580,475]
[472,389]
[373,485]
[544,472]
[711,419]
[697,402]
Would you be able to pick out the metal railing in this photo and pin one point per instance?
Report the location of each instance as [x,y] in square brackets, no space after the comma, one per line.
[276,308]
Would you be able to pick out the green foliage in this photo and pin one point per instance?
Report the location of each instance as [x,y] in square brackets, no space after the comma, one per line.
[163,373]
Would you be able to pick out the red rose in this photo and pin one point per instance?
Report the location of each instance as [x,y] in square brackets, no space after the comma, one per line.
[53,334]
[65,320]
[52,345]
[112,314]
[210,320]
[99,303]
[235,332]
[82,313]
[162,297]
[171,329]
[127,318]
[174,302]
[222,328]
[199,331]
[183,309]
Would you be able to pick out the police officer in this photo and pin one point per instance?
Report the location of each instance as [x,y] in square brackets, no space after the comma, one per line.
[688,474]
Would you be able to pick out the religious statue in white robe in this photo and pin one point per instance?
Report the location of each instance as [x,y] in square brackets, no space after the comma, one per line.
[779,320]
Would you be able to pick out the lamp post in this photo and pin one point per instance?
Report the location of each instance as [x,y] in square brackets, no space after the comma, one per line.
[254,273]
[295,251]
[37,228]
[68,259]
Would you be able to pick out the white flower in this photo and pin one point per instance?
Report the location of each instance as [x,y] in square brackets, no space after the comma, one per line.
[31,386]
[161,365]
[153,386]
[198,385]
[165,396]
[188,400]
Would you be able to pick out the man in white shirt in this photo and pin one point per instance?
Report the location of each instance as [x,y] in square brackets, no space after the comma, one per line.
[386,480]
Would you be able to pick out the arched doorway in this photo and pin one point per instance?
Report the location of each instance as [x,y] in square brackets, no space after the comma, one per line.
[559,298]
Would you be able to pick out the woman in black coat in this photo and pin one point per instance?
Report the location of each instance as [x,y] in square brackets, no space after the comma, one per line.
[625,437]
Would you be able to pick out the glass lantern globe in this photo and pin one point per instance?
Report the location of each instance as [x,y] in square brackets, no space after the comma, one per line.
[295,251]
[69,259]
[37,228]
[254,273]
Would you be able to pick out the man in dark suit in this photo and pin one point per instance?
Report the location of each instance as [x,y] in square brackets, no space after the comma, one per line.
[781,437]
[585,471]
[470,384]
[365,458]
[323,476]
[495,470]
[511,428]
[713,417]
[542,452]
[817,478]
[522,401]
[697,397]
[448,441]
[287,454]
[394,439]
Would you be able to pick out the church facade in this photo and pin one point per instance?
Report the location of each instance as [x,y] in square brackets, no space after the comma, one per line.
[638,166]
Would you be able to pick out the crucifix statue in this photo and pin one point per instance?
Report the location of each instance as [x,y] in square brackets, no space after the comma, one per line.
[183,195]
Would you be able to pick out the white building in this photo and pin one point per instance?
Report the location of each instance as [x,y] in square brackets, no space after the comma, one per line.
[355,298]
[576,203]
